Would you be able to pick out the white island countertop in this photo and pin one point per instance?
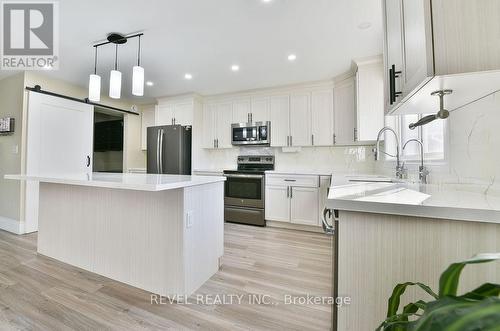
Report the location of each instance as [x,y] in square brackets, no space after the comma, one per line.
[453,202]
[124,181]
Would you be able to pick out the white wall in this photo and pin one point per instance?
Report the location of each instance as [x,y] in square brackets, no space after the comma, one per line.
[11,105]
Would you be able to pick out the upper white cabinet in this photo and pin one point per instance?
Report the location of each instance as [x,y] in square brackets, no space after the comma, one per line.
[217,120]
[345,112]
[300,119]
[322,118]
[256,109]
[260,109]
[242,111]
[147,120]
[171,112]
[369,98]
[436,45]
[280,120]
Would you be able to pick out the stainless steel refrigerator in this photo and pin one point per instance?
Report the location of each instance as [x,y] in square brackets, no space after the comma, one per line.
[169,150]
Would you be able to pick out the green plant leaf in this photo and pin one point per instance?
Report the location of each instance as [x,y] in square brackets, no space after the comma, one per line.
[399,290]
[448,282]
[483,291]
[459,314]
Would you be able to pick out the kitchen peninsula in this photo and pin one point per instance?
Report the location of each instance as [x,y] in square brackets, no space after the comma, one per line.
[160,233]
[389,233]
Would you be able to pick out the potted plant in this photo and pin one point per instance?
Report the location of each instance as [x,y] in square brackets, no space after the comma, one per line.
[473,311]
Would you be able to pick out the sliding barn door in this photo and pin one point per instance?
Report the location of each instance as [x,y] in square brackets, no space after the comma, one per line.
[59,142]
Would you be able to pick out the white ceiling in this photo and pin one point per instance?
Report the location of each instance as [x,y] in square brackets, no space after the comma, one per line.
[205,37]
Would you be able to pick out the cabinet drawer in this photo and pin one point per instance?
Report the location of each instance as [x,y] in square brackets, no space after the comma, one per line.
[293,180]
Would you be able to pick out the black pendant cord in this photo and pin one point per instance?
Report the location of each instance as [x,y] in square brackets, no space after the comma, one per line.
[116,57]
[95,62]
[38,89]
[139,53]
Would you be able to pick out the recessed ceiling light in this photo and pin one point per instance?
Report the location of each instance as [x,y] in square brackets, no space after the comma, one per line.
[149,83]
[188,76]
[235,67]
[292,57]
[364,25]
[266,1]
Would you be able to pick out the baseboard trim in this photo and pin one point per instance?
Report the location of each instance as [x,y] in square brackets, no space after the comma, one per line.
[11,225]
[290,226]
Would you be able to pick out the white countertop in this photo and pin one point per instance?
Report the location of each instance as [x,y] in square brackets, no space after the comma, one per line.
[434,201]
[299,172]
[125,181]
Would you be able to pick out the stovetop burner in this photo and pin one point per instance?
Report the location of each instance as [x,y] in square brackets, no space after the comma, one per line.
[253,164]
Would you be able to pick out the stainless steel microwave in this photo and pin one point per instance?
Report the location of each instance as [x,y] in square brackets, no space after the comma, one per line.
[258,133]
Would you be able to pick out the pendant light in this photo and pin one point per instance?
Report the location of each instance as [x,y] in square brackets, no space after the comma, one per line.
[115,79]
[95,83]
[138,75]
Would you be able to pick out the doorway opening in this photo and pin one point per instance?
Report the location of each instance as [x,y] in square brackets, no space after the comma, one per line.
[108,141]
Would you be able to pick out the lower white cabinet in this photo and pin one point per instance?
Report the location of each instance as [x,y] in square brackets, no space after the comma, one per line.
[277,203]
[293,199]
[303,205]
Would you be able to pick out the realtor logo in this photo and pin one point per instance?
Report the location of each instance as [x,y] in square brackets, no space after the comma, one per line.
[30,35]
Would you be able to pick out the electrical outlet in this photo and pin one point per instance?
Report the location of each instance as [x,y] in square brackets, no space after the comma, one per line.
[189,219]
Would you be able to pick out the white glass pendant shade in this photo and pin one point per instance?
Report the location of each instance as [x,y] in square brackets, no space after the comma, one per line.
[115,84]
[138,81]
[95,88]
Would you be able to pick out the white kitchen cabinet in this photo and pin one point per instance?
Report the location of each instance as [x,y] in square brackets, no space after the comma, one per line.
[209,125]
[369,98]
[417,31]
[393,24]
[322,118]
[183,113]
[241,111]
[147,120]
[280,120]
[292,199]
[217,120]
[303,205]
[165,114]
[277,203]
[224,120]
[260,109]
[171,113]
[345,112]
[300,119]
[444,44]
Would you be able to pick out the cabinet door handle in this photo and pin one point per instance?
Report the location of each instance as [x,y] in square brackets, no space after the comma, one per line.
[393,74]
[290,180]
[217,143]
[334,139]
[287,141]
[291,192]
[214,143]
[88,161]
[291,140]
[355,134]
[288,191]
[312,139]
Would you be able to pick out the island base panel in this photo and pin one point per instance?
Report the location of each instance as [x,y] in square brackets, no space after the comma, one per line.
[377,251]
[167,242]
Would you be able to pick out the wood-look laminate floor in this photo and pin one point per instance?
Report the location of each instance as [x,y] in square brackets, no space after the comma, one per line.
[37,293]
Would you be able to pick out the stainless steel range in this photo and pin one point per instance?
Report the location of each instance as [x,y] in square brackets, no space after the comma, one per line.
[244,200]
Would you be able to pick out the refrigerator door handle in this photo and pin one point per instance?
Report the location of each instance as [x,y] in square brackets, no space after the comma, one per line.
[161,152]
[158,151]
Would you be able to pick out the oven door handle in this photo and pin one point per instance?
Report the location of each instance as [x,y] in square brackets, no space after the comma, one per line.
[245,176]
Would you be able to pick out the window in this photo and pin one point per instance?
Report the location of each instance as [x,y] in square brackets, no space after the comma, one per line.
[432,135]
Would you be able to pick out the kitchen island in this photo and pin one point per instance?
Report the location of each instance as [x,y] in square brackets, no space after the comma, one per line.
[160,233]
[390,233]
